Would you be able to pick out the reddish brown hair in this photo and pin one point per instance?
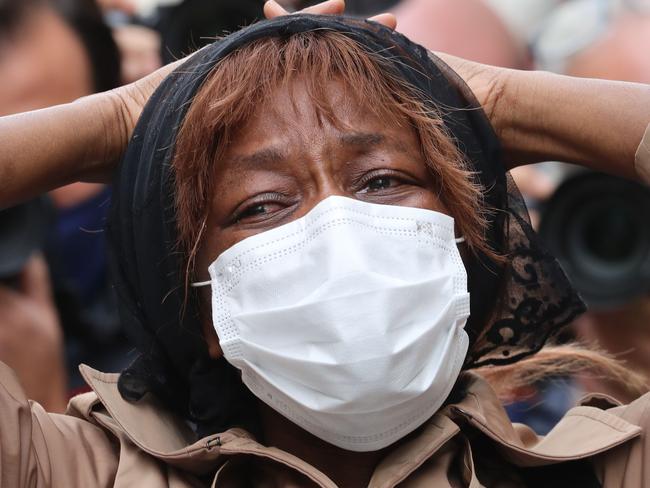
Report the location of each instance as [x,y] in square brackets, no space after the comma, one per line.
[245,78]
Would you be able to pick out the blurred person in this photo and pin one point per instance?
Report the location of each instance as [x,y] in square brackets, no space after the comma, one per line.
[618,52]
[216,174]
[140,50]
[31,339]
[180,27]
[35,43]
[53,52]
[554,31]
[139,45]
[576,27]
[469,29]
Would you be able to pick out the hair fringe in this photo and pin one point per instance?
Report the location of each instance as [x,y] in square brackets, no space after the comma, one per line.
[248,77]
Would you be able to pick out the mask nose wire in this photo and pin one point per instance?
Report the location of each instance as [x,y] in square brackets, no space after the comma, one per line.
[200,284]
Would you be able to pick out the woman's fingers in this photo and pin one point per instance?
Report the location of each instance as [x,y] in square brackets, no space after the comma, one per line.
[387,20]
[330,7]
[273,9]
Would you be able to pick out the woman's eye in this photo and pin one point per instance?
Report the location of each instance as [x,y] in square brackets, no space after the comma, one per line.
[253,210]
[259,211]
[379,183]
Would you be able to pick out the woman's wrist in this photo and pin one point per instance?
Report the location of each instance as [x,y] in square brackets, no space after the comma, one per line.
[117,125]
[595,123]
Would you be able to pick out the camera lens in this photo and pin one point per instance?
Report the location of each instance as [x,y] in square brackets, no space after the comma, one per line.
[611,234]
[599,228]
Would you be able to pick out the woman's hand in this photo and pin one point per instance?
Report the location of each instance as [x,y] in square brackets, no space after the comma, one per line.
[540,116]
[127,102]
[486,82]
[273,9]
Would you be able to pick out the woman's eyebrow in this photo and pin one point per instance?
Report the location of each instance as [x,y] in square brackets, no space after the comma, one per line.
[273,155]
[372,139]
[362,139]
[264,157]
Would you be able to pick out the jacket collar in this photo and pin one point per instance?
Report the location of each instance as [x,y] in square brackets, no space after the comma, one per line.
[583,432]
[167,437]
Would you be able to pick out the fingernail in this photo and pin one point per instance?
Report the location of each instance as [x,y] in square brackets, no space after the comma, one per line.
[271,4]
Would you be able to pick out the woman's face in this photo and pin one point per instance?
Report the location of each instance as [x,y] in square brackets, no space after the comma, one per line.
[285,160]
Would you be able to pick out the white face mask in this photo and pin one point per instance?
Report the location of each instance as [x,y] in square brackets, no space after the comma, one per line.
[348,321]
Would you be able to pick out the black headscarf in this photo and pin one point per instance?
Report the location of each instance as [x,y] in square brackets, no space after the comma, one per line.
[515,306]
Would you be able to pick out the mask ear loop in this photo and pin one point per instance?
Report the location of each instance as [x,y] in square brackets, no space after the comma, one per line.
[200,283]
[458,240]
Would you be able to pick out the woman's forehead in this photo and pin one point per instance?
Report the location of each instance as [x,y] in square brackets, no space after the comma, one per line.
[291,117]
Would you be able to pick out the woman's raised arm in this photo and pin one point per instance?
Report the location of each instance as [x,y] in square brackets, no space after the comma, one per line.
[537,116]
[541,116]
[78,141]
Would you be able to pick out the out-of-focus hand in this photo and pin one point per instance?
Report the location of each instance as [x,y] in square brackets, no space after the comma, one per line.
[139,49]
[273,9]
[126,6]
[31,340]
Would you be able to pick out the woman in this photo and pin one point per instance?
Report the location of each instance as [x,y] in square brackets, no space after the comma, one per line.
[307,170]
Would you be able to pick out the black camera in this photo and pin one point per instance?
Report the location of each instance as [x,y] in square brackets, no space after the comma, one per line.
[598,226]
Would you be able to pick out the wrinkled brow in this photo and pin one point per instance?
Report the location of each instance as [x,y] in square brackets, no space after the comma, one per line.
[361,139]
[372,139]
[264,157]
[273,155]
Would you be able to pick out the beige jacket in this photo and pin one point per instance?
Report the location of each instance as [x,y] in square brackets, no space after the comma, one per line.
[105,441]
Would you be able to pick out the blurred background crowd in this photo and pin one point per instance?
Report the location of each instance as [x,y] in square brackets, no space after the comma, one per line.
[56,304]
